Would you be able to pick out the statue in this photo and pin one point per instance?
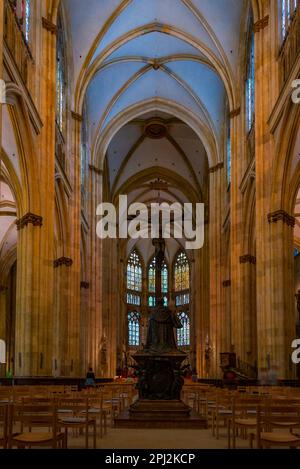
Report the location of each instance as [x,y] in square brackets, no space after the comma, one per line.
[159,363]
[160,338]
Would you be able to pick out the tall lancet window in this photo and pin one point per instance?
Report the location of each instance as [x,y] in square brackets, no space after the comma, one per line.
[182,298]
[250,81]
[60,77]
[134,279]
[287,11]
[27,18]
[133,329]
[151,283]
[22,10]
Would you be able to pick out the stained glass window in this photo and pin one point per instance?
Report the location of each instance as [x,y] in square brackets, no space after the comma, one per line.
[183,299]
[22,10]
[151,283]
[250,82]
[25,18]
[60,77]
[164,277]
[134,289]
[182,273]
[134,273]
[133,329]
[152,301]
[133,299]
[183,335]
[288,8]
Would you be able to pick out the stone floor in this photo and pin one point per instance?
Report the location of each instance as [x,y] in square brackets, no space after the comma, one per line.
[157,439]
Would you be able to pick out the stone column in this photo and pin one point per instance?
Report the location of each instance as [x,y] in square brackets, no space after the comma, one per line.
[217,307]
[113,316]
[61,305]
[1,62]
[30,351]
[248,280]
[84,308]
[280,331]
[236,235]
[34,304]
[275,295]
[46,151]
[3,313]
[2,288]
[74,248]
[95,262]
[200,307]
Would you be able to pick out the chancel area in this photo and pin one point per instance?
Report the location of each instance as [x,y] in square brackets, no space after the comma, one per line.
[180,329]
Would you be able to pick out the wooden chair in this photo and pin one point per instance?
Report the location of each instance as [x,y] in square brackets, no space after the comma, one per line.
[35,416]
[244,417]
[111,403]
[97,411]
[285,418]
[221,413]
[79,418]
[4,424]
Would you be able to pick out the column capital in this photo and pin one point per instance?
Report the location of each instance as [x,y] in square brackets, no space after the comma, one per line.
[96,170]
[261,24]
[63,261]
[226,283]
[49,26]
[76,116]
[248,259]
[35,220]
[234,113]
[282,215]
[216,168]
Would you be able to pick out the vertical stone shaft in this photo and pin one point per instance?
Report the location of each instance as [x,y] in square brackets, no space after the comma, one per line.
[217,308]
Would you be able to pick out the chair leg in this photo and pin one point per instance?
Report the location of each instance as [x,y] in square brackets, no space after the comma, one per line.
[234,437]
[228,433]
[105,424]
[86,436]
[95,435]
[101,424]
[66,437]
[64,442]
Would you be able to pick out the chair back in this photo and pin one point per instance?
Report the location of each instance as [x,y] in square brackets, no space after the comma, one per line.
[4,424]
[34,416]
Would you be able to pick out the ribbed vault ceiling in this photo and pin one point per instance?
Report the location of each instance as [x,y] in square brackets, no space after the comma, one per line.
[184,53]
[128,51]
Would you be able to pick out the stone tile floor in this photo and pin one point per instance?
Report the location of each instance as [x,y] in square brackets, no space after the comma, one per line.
[156,439]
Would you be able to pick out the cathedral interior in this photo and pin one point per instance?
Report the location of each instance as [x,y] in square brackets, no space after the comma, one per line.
[164,102]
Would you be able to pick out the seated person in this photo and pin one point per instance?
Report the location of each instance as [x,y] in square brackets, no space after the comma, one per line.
[90,380]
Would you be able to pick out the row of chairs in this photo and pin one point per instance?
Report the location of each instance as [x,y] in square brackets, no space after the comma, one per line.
[257,414]
[79,412]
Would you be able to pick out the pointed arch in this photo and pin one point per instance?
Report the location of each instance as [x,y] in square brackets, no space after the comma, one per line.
[147,106]
[27,153]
